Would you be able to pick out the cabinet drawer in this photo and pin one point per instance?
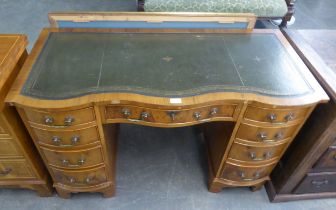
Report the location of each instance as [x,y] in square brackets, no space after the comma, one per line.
[74,159]
[61,118]
[268,115]
[80,178]
[9,148]
[66,138]
[113,112]
[316,183]
[328,160]
[11,169]
[246,173]
[255,154]
[265,134]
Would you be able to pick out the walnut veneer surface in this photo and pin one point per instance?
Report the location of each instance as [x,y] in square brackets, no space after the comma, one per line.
[20,164]
[250,91]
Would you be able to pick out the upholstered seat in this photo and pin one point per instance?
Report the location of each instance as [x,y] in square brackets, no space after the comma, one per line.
[261,8]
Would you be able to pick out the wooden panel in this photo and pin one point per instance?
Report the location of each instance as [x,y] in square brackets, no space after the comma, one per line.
[74,159]
[275,116]
[265,134]
[60,118]
[246,173]
[11,169]
[170,116]
[246,152]
[9,148]
[66,138]
[80,178]
[328,160]
[319,182]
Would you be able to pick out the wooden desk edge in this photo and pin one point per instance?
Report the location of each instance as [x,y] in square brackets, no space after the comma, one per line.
[14,96]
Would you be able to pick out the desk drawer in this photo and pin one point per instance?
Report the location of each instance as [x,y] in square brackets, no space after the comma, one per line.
[61,119]
[316,183]
[11,169]
[113,112]
[246,173]
[265,134]
[80,178]
[74,159]
[255,154]
[9,148]
[328,160]
[66,138]
[274,116]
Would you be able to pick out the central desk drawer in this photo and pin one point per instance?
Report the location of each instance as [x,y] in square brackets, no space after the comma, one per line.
[135,113]
[60,118]
[245,152]
[246,173]
[265,134]
[11,169]
[80,178]
[317,183]
[66,138]
[74,159]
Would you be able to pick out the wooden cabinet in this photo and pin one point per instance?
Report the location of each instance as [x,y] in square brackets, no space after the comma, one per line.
[20,164]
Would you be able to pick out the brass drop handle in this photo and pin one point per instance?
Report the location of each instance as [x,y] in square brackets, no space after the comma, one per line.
[279,135]
[67,163]
[197,115]
[289,117]
[86,180]
[5,172]
[75,139]
[318,184]
[126,112]
[144,115]
[266,156]
[48,120]
[242,176]
[272,117]
[262,136]
[214,111]
[172,115]
[58,141]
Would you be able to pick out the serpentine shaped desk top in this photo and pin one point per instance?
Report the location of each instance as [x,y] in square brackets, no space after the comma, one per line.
[166,65]
[76,63]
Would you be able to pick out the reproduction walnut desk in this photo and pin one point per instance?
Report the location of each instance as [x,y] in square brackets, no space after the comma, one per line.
[20,164]
[251,92]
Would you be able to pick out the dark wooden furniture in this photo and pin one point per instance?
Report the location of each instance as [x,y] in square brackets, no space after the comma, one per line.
[20,164]
[78,84]
[308,169]
[285,19]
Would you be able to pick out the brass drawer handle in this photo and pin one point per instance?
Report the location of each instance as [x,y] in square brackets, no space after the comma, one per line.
[214,111]
[272,117]
[144,116]
[255,176]
[67,163]
[126,112]
[318,184]
[197,115]
[172,114]
[87,180]
[290,117]
[48,120]
[253,156]
[263,137]
[5,172]
[58,141]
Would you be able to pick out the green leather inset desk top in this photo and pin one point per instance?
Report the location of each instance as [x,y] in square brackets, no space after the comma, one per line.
[165,65]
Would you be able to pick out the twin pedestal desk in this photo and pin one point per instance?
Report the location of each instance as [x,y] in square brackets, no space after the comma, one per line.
[250,91]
